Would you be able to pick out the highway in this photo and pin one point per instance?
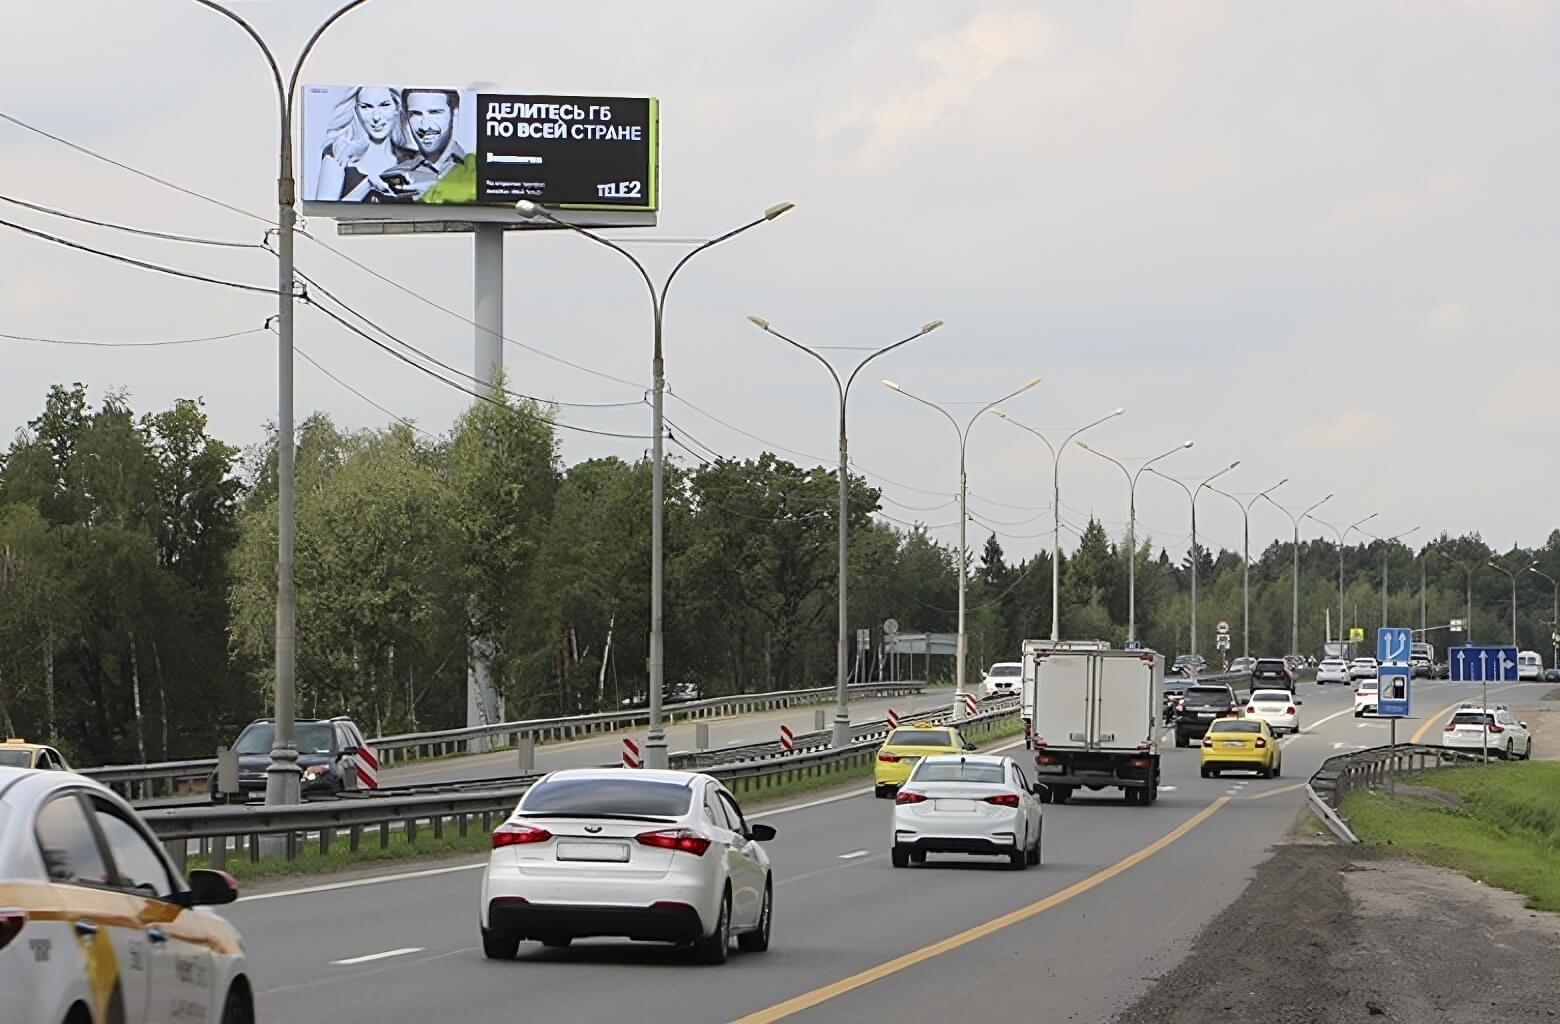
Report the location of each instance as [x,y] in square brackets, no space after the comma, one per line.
[1122,891]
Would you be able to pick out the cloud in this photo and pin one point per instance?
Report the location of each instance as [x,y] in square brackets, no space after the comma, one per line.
[1352,428]
[964,59]
[1448,319]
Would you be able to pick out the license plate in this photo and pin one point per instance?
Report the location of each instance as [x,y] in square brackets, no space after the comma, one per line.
[611,852]
[1205,714]
[1232,743]
[954,805]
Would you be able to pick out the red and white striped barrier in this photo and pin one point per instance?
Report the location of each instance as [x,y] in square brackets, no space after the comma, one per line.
[969,702]
[787,739]
[630,753]
[893,719]
[367,768]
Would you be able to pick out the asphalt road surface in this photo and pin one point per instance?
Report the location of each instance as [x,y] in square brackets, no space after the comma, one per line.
[1122,892]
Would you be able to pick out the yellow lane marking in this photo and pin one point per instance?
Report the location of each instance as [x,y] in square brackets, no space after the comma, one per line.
[1275,792]
[833,990]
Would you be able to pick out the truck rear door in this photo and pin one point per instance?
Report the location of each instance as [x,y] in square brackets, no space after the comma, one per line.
[1125,702]
[1063,698]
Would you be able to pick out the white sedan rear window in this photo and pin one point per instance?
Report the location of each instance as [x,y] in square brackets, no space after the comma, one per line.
[1270,696]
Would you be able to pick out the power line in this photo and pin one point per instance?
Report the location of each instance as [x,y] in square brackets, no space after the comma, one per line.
[159,268]
[133,344]
[144,232]
[461,387]
[133,170]
[399,419]
[462,317]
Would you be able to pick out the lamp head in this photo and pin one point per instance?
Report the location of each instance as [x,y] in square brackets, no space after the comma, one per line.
[759,322]
[928,328]
[527,209]
[999,412]
[890,384]
[777,210]
[1188,444]
[1031,382]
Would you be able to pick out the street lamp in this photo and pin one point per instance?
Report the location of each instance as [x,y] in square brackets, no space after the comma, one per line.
[1056,508]
[282,777]
[1554,623]
[1294,600]
[655,734]
[1468,570]
[842,735]
[1245,579]
[1132,479]
[1341,535]
[1513,577]
[1384,553]
[964,436]
[1191,496]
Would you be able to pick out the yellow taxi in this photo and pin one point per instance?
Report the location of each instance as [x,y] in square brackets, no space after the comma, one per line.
[18,753]
[97,925]
[908,744]
[1241,745]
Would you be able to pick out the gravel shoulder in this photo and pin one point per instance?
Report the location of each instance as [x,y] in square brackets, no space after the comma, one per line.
[1336,934]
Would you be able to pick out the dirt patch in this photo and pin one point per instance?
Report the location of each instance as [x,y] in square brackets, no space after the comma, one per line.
[1439,797]
[1544,723]
[1338,934]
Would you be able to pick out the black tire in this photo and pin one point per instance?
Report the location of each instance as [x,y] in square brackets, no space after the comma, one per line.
[557,942]
[883,792]
[1510,753]
[1045,794]
[716,947]
[1265,772]
[1527,754]
[1062,794]
[1180,740]
[918,856]
[1206,773]
[1359,712]
[1034,853]
[900,857]
[1278,769]
[237,1008]
[1018,859]
[757,941]
[499,945]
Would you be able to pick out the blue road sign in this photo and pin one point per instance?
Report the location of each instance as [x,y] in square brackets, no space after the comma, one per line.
[1392,682]
[1483,664]
[1393,644]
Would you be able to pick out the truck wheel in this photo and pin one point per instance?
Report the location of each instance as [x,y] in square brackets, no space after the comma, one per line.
[1153,793]
[1130,794]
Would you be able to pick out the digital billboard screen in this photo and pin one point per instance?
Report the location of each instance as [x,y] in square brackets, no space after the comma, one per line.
[432,147]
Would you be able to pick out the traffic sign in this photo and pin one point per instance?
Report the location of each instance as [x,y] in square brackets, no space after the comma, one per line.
[890,626]
[1223,628]
[1455,626]
[1137,645]
[1356,635]
[1483,664]
[1392,682]
[1222,642]
[1393,644]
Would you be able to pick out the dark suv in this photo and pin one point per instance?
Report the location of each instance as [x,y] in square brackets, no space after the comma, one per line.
[1200,706]
[1269,672]
[326,747]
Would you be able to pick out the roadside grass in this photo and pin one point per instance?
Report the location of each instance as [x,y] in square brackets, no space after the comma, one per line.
[1504,830]
[310,861]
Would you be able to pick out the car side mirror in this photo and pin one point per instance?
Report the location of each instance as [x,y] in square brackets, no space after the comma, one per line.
[1523,724]
[210,888]
[761,833]
[968,745]
[350,751]
[1299,703]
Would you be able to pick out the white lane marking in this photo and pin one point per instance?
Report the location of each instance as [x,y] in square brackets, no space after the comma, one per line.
[340,976]
[1323,721]
[387,954]
[852,855]
[354,883]
[851,794]
[1167,789]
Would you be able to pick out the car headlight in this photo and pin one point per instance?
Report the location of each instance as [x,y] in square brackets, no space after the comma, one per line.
[314,771]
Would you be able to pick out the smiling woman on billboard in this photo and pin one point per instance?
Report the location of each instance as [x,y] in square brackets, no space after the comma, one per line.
[365,137]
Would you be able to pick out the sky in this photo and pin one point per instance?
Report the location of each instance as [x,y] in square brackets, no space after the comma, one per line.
[1314,238]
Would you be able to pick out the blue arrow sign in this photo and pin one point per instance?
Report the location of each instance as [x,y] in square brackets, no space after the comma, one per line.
[1392,682]
[1393,644]
[1483,664]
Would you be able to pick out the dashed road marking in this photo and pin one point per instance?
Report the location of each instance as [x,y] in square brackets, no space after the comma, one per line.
[387,954]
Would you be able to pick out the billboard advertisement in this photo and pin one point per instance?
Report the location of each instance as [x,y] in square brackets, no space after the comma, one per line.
[387,151]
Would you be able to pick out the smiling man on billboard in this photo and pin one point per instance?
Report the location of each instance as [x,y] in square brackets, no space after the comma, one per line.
[431,116]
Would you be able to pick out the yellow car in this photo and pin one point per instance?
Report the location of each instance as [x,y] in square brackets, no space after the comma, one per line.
[908,744]
[15,753]
[1242,745]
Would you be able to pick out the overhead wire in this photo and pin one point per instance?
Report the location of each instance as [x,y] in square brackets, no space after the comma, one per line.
[143,264]
[399,419]
[128,229]
[87,343]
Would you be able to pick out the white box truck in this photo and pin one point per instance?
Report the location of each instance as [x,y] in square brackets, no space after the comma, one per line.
[1091,716]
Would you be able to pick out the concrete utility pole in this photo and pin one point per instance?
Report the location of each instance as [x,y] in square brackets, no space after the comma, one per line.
[282,778]
[1294,601]
[841,736]
[655,733]
[964,436]
[1191,496]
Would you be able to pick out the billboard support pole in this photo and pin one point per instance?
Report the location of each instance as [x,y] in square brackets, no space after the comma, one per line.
[488,368]
[282,777]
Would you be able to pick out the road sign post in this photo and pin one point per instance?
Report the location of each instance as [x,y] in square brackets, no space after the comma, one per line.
[1394,676]
[1483,665]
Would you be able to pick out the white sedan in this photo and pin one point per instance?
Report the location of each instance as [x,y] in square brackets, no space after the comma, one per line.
[96,924]
[1363,668]
[1278,708]
[1365,696]
[1333,670]
[971,804]
[1004,679]
[653,856]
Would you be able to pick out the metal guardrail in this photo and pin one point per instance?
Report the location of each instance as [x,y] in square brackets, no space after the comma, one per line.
[1342,774]
[142,781]
[220,831]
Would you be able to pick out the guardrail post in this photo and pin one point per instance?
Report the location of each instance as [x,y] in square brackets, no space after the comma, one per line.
[701,736]
[527,748]
[219,852]
[820,719]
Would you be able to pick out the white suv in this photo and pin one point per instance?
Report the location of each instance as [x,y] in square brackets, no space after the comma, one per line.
[1363,668]
[1506,737]
[1004,679]
[1365,696]
[1333,670]
[1530,666]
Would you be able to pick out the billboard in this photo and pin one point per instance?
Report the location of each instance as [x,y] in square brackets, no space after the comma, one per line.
[410,152]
